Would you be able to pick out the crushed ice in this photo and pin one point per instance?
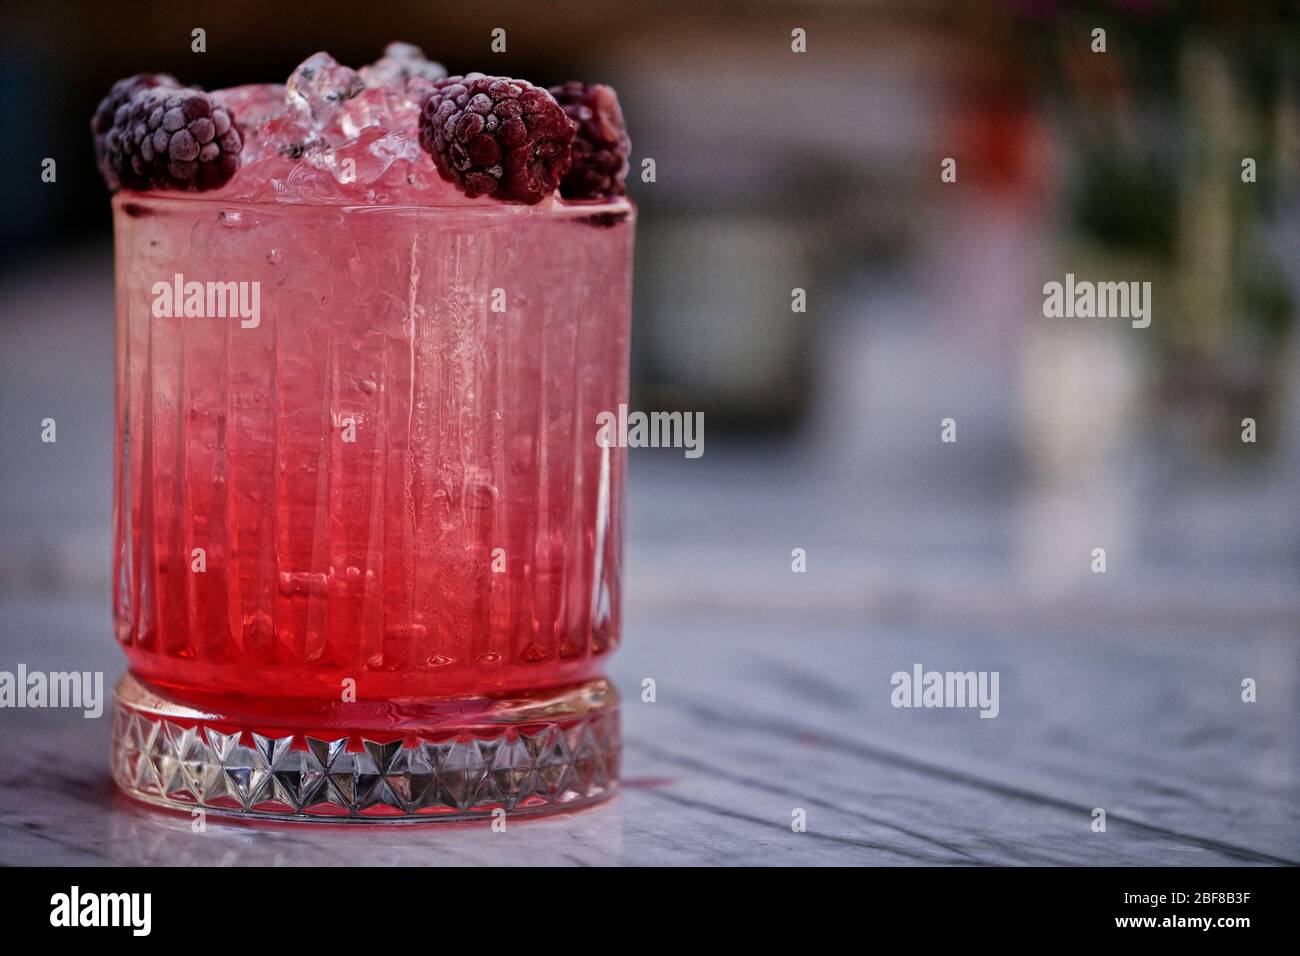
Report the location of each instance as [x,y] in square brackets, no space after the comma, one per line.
[335,134]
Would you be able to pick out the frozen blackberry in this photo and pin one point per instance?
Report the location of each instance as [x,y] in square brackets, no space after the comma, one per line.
[600,147]
[118,96]
[165,138]
[494,136]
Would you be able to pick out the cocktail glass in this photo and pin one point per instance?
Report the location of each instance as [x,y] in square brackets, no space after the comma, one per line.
[367,545]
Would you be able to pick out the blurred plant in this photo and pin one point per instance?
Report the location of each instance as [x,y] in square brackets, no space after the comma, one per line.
[1155,130]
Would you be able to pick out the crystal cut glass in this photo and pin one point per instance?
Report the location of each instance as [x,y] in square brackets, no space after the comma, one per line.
[367,546]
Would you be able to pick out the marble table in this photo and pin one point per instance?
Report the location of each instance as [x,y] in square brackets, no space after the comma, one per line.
[759,714]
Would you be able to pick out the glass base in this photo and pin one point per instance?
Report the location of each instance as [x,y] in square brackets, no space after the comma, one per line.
[390,762]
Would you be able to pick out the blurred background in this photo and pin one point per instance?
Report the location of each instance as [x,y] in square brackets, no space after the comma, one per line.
[820,171]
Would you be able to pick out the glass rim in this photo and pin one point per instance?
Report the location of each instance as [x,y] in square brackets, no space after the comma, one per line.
[621,206]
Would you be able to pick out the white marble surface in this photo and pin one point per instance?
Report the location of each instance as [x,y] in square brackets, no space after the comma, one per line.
[759,714]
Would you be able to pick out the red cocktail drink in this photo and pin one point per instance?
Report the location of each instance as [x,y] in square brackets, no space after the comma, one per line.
[367,546]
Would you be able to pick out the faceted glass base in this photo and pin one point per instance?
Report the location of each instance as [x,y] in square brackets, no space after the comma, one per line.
[385,763]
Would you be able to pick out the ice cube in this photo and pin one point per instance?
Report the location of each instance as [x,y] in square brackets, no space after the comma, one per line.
[372,107]
[286,134]
[310,182]
[321,85]
[397,50]
[404,67]
[359,164]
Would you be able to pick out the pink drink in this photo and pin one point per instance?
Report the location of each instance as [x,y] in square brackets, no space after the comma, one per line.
[368,548]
